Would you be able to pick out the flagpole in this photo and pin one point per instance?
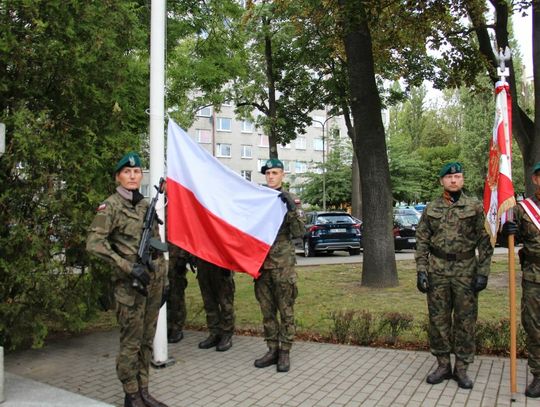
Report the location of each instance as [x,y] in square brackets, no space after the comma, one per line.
[157,150]
[503,72]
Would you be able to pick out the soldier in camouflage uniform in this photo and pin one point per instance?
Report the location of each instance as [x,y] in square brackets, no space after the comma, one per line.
[114,236]
[450,230]
[276,289]
[176,303]
[217,291]
[526,224]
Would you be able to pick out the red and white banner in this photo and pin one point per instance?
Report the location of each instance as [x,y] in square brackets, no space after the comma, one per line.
[498,188]
[214,213]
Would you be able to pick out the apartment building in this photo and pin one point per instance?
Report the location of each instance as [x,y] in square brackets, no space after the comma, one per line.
[244,148]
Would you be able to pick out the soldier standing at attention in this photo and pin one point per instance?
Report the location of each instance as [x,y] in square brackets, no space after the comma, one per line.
[450,230]
[114,236]
[217,291]
[276,289]
[176,303]
[526,224]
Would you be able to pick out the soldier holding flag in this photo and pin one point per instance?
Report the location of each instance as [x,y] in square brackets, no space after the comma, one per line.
[526,224]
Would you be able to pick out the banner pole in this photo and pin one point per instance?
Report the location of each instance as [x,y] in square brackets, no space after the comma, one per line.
[513,322]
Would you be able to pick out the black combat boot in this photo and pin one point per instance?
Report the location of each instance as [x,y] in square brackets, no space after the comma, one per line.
[209,342]
[225,343]
[533,389]
[284,363]
[443,371]
[269,358]
[149,401]
[175,335]
[133,400]
[460,375]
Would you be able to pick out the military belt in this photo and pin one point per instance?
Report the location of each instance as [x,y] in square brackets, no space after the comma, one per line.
[529,258]
[452,256]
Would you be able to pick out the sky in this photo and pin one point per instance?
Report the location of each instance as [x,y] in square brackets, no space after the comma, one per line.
[523,34]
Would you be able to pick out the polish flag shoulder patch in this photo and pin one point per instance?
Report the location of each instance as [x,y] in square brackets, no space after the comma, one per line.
[101,207]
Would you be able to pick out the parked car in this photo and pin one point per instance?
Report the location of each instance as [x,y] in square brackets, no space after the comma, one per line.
[405,223]
[331,231]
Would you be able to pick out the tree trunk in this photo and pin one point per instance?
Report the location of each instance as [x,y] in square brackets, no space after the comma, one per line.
[271,83]
[379,264]
[356,199]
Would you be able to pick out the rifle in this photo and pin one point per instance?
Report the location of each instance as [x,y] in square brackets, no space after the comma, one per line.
[148,242]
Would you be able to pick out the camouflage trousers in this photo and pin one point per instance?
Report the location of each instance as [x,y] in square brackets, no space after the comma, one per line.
[137,319]
[176,304]
[530,318]
[217,291]
[276,291]
[453,310]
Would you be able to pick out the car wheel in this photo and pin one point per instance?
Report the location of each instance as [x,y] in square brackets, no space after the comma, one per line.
[354,252]
[308,251]
[329,252]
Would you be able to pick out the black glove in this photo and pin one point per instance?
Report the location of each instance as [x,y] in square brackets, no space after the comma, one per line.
[479,283]
[422,282]
[509,228]
[165,296]
[139,273]
[289,201]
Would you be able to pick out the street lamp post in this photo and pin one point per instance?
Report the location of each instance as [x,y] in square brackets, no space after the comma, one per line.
[323,127]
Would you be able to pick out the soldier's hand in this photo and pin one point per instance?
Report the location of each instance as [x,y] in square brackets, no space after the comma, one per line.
[289,201]
[509,228]
[479,283]
[138,271]
[422,282]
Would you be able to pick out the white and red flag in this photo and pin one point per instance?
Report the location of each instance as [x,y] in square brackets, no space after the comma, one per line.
[498,189]
[214,213]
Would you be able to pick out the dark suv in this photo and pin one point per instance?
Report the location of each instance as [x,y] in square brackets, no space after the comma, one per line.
[330,231]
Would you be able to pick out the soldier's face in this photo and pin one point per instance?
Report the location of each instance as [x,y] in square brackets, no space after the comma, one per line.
[536,179]
[130,177]
[452,182]
[274,177]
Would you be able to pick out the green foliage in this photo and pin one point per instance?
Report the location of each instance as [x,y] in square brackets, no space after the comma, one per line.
[395,323]
[337,178]
[73,96]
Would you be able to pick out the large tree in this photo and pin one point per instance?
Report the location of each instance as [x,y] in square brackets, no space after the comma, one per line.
[72,95]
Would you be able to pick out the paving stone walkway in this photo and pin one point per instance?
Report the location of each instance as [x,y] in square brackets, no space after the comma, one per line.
[321,375]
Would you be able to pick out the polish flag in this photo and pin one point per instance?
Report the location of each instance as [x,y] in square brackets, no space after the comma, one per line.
[214,213]
[498,188]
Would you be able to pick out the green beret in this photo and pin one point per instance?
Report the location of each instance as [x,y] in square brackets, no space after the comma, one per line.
[271,163]
[131,159]
[536,167]
[451,168]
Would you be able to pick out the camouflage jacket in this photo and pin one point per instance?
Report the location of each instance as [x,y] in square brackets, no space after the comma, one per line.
[115,232]
[453,229]
[530,236]
[282,253]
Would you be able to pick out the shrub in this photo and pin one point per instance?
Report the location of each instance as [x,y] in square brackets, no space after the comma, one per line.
[342,321]
[363,328]
[395,323]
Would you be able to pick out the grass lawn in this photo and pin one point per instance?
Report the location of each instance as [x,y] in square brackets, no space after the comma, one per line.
[334,288]
[328,289]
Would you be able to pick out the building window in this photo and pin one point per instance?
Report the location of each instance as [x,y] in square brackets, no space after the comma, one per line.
[263,140]
[227,103]
[246,174]
[318,121]
[224,123]
[246,151]
[204,136]
[318,144]
[286,166]
[260,163]
[300,167]
[300,143]
[247,126]
[223,150]
[205,111]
